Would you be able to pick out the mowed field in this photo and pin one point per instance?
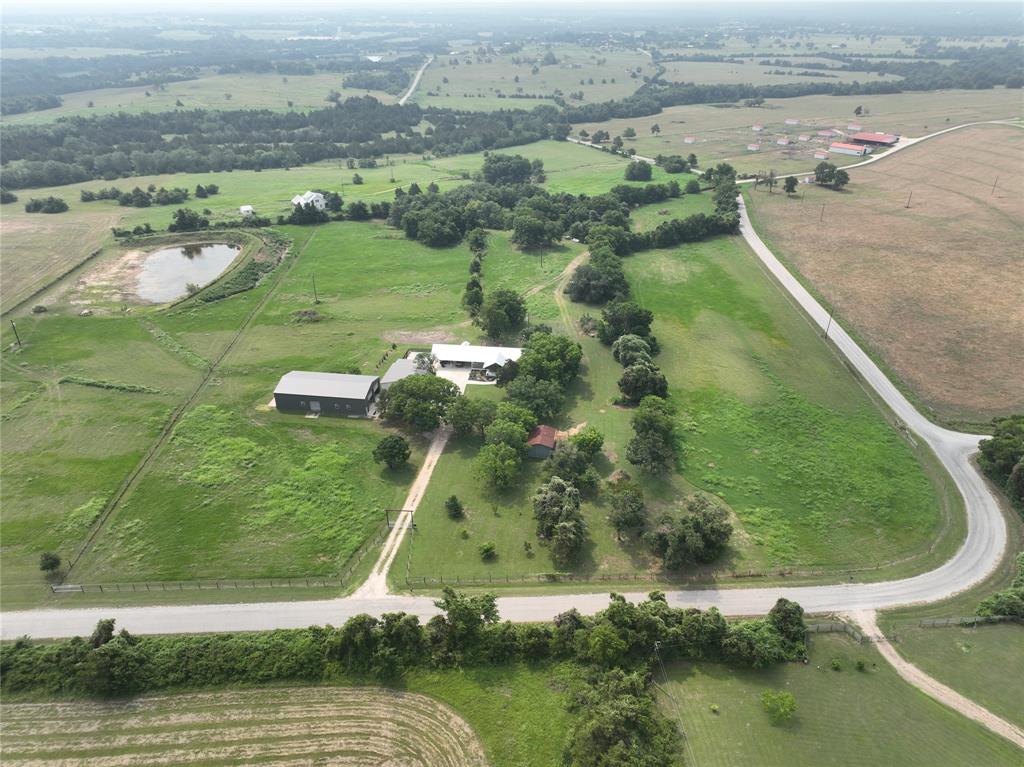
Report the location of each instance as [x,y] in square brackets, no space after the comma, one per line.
[771,421]
[37,248]
[803,43]
[721,134]
[509,716]
[755,73]
[982,663]
[935,288]
[468,81]
[211,91]
[843,717]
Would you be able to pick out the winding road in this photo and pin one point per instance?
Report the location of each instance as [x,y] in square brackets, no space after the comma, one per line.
[415,81]
[979,554]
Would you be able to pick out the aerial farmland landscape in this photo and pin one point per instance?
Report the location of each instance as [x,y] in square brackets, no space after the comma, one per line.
[526,385]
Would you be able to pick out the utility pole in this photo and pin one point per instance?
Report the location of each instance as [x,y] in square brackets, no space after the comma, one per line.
[16,336]
[316,298]
[829,323]
[908,198]
[994,186]
[822,216]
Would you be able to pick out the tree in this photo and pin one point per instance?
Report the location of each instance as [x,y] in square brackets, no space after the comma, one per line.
[103,632]
[787,618]
[506,169]
[789,185]
[392,450]
[638,170]
[620,318]
[470,416]
[1005,449]
[454,507]
[698,537]
[504,432]
[629,133]
[358,211]
[201,192]
[488,551]
[691,160]
[841,179]
[556,507]
[655,128]
[542,398]
[498,465]
[589,441]
[548,357]
[531,232]
[503,310]
[628,509]
[49,562]
[476,239]
[419,401]
[692,186]
[780,705]
[631,348]
[509,411]
[653,447]
[357,179]
[641,379]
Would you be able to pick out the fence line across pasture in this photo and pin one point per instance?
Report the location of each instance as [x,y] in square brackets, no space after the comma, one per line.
[969,620]
[314,581]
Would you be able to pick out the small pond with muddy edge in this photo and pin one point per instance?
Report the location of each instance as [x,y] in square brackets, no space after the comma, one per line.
[166,273]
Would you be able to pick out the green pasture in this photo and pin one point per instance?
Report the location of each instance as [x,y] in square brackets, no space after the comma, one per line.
[722,133]
[38,247]
[982,663]
[771,421]
[750,71]
[803,43]
[209,91]
[477,84]
[843,717]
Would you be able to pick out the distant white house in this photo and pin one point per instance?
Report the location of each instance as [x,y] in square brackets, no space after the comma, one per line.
[690,140]
[757,128]
[792,121]
[478,357]
[821,154]
[246,210]
[783,142]
[310,198]
[803,137]
[754,147]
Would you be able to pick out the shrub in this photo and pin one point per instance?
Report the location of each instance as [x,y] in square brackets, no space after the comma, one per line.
[393,450]
[454,507]
[835,665]
[488,551]
[49,562]
[861,665]
[779,705]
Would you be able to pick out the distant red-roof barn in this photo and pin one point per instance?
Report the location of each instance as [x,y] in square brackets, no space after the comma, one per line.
[875,139]
[857,150]
[541,443]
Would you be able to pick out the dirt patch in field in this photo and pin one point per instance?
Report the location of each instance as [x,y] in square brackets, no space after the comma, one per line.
[438,336]
[316,725]
[112,279]
[934,288]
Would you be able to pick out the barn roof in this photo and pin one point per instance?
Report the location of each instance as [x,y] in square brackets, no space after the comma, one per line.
[882,138]
[841,145]
[543,435]
[304,383]
[399,369]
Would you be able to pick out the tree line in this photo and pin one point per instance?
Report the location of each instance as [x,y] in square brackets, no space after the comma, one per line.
[612,655]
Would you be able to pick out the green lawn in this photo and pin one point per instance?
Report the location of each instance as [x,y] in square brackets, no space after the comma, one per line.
[845,717]
[983,663]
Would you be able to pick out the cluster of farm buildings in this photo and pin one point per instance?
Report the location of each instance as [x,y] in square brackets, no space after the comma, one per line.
[853,141]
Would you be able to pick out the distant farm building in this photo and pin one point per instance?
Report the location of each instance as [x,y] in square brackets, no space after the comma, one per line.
[489,358]
[754,147]
[757,128]
[792,121]
[828,133]
[337,394]
[541,443]
[803,137]
[246,210]
[783,142]
[853,126]
[858,150]
[399,369]
[690,140]
[874,139]
[821,154]
[310,198]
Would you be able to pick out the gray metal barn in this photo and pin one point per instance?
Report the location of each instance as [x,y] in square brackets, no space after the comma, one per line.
[337,394]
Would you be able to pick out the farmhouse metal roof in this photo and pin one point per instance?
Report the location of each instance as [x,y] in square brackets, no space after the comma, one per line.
[882,138]
[399,369]
[484,355]
[543,435]
[339,385]
[841,145]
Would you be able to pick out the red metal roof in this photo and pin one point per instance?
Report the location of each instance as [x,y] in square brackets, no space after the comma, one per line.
[840,145]
[881,138]
[543,435]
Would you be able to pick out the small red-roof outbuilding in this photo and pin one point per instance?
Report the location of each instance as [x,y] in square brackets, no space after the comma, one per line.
[541,443]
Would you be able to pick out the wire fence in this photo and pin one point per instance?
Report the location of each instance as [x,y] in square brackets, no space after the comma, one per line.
[343,579]
[970,620]
[836,627]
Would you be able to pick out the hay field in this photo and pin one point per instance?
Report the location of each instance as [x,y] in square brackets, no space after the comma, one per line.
[213,91]
[722,134]
[935,289]
[750,71]
[323,726]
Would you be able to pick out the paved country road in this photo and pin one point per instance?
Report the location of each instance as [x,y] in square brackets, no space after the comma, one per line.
[415,81]
[977,557]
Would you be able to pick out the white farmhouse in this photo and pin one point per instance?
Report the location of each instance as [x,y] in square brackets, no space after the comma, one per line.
[246,210]
[310,198]
[488,358]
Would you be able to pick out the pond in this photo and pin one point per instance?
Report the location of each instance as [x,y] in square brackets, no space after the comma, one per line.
[167,273]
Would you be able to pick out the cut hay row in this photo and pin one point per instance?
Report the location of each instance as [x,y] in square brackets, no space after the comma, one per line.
[288,726]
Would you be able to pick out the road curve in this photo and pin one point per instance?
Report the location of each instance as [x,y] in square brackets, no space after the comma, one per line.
[980,553]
